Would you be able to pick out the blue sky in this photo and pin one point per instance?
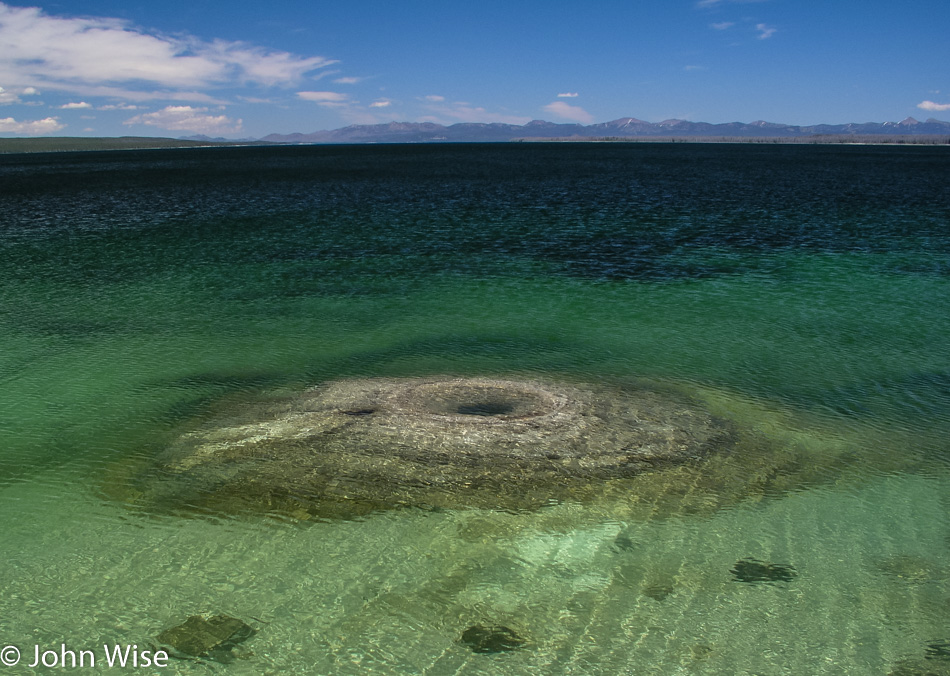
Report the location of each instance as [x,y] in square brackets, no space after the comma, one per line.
[248,68]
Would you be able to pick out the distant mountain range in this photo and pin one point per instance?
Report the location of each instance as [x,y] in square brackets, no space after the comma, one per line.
[624,128]
[627,128]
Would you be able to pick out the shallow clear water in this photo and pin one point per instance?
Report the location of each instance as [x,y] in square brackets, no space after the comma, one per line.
[802,291]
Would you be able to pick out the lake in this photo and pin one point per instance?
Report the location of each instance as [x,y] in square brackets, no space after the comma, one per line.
[801,293]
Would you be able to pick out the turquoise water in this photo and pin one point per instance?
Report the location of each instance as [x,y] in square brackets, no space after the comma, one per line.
[801,291]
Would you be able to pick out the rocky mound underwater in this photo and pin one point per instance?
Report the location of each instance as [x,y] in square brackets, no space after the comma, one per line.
[349,447]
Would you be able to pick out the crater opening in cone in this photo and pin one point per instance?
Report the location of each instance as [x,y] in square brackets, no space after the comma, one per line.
[485,408]
[479,398]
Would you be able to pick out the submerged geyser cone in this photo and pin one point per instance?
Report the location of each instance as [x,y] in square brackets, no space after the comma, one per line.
[357,445]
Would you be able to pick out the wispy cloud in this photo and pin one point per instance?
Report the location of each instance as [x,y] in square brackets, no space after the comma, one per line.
[568,95]
[434,98]
[326,99]
[74,54]
[48,125]
[349,110]
[118,106]
[722,25]
[765,32]
[349,80]
[104,91]
[186,118]
[460,111]
[694,68]
[313,77]
[466,113]
[358,115]
[76,105]
[930,105]
[565,111]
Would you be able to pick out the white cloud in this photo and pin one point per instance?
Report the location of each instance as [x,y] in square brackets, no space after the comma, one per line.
[348,80]
[930,105]
[186,118]
[566,111]
[260,66]
[326,99]
[119,106]
[765,32]
[434,98]
[722,25]
[73,54]
[568,95]
[8,96]
[382,103]
[32,128]
[76,105]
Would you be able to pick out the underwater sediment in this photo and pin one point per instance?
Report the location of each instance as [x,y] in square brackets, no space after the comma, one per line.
[352,446]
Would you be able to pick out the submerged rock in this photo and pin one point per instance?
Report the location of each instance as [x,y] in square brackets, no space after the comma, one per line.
[753,570]
[491,639]
[938,650]
[910,568]
[659,588]
[212,637]
[917,667]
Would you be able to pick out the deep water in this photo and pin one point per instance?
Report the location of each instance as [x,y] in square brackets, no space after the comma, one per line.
[803,291]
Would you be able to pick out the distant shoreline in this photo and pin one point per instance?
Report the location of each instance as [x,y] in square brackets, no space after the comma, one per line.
[49,144]
[59,144]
